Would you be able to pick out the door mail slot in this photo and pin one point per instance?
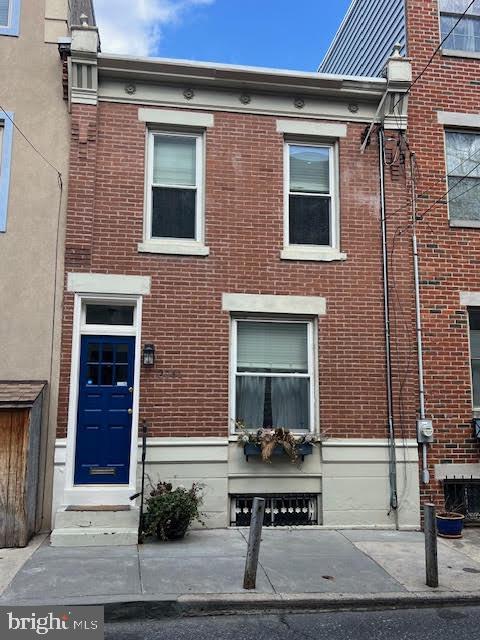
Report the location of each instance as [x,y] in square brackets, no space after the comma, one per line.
[102,471]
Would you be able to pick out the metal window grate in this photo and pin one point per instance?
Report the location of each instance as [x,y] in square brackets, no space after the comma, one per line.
[280,510]
[463,496]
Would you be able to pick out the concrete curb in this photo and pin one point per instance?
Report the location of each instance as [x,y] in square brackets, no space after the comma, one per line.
[136,607]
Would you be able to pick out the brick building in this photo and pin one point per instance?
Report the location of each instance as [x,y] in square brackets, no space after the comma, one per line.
[444,136]
[224,263]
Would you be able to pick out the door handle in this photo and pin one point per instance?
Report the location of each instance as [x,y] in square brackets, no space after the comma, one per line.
[130,389]
[130,411]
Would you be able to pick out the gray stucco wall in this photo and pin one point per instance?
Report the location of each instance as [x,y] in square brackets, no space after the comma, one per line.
[31,87]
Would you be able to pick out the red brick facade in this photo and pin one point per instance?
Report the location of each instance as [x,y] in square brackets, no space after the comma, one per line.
[449,256]
[186,394]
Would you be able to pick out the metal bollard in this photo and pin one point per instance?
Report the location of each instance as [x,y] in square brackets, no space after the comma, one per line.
[431,559]
[251,562]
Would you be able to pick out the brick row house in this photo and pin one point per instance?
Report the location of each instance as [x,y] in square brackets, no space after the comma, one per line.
[443,135]
[224,263]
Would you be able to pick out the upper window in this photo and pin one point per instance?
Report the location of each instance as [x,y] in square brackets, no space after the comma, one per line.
[474,318]
[6,138]
[310,204]
[463,155]
[175,185]
[466,35]
[273,374]
[9,17]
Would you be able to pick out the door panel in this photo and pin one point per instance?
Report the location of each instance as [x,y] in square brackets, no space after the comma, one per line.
[104,417]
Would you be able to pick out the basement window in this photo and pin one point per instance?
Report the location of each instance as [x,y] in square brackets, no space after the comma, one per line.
[466,35]
[463,496]
[280,510]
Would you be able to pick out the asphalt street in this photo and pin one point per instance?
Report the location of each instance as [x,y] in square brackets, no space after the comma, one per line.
[422,624]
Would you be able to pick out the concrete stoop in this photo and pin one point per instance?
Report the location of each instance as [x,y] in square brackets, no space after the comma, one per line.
[89,527]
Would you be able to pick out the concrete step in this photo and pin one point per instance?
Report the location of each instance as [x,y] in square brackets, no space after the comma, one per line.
[105,518]
[93,537]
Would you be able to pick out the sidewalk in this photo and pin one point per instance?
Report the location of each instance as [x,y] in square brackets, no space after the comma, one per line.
[298,569]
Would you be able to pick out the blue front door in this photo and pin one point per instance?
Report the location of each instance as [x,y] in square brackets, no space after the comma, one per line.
[105,402]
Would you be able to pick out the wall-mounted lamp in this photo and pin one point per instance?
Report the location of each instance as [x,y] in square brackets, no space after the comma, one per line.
[148,355]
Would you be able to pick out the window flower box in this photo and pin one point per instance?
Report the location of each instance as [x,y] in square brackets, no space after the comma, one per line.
[252,449]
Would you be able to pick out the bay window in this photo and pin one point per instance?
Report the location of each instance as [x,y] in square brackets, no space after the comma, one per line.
[273,382]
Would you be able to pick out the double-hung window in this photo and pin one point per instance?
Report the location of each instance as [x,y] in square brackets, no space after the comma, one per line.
[474,319]
[272,377]
[466,35]
[463,158]
[9,17]
[175,191]
[311,226]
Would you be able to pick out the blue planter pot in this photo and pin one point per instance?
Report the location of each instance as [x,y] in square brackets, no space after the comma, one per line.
[450,525]
[251,449]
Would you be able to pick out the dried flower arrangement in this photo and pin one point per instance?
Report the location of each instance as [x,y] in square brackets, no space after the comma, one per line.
[269,438]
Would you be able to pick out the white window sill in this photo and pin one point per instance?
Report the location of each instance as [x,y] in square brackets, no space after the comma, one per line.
[469,224]
[458,53]
[174,248]
[318,254]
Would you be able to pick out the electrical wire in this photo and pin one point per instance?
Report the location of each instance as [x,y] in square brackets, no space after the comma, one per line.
[422,72]
[31,144]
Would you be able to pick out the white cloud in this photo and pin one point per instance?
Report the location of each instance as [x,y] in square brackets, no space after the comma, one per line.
[134,27]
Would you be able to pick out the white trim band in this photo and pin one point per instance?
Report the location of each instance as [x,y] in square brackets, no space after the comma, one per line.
[108,283]
[256,303]
[451,119]
[470,299]
[179,118]
[307,128]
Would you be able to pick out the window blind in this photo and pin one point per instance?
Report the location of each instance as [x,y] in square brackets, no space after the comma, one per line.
[174,161]
[4,11]
[309,169]
[275,346]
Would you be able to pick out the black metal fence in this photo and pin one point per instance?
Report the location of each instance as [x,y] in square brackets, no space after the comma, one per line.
[463,496]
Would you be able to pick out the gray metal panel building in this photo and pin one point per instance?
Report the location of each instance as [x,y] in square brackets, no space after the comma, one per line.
[366,38]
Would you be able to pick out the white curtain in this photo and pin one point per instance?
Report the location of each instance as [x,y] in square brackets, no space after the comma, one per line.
[250,401]
[290,403]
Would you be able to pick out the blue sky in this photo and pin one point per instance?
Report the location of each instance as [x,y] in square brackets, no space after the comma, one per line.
[290,34]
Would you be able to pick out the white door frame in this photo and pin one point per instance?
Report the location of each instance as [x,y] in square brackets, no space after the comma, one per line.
[106,494]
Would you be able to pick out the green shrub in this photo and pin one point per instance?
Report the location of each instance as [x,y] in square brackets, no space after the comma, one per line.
[169,512]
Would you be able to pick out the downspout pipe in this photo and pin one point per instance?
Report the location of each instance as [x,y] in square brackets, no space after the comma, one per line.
[418,319]
[388,348]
